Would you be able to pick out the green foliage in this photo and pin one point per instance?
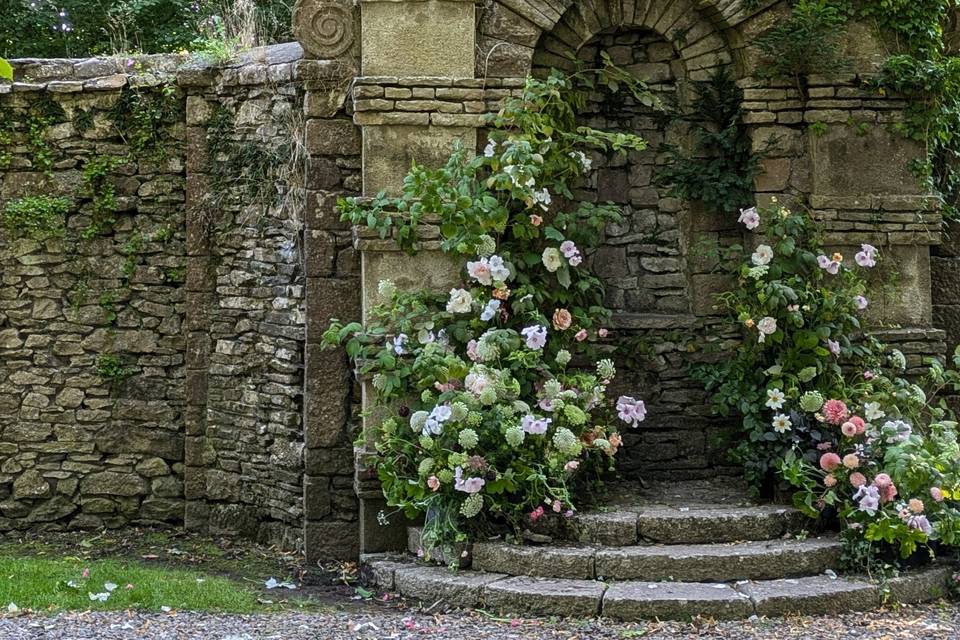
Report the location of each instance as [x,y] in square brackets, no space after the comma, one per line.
[112,368]
[97,186]
[37,217]
[6,71]
[511,210]
[142,116]
[35,28]
[131,252]
[812,310]
[809,41]
[917,25]
[721,169]
[42,113]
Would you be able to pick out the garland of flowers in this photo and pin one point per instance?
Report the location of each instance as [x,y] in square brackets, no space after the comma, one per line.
[493,398]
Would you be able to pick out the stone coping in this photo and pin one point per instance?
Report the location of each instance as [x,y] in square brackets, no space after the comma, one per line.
[109,73]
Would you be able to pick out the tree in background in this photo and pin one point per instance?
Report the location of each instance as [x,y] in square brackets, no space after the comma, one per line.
[78,28]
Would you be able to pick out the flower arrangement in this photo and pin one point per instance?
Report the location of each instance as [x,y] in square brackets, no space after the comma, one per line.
[823,409]
[798,308]
[492,399]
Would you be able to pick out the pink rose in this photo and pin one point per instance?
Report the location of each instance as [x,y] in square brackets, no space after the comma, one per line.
[581,335]
[433,482]
[936,493]
[602,332]
[535,220]
[858,422]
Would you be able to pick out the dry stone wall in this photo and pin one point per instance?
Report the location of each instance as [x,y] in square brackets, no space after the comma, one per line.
[153,369]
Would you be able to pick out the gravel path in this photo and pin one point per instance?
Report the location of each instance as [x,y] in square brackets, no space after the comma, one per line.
[929,622]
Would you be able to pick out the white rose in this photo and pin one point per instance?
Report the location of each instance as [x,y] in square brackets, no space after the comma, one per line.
[551,259]
[763,255]
[460,301]
[766,327]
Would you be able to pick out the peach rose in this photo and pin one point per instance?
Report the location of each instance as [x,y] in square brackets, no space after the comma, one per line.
[535,220]
[562,319]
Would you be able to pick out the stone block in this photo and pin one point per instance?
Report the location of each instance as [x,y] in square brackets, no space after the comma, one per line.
[877,162]
[113,483]
[317,504]
[432,270]
[676,601]
[335,137]
[389,150]
[124,438]
[808,596]
[329,298]
[548,562]
[395,42]
[332,540]
[544,596]
[375,536]
[327,381]
[465,589]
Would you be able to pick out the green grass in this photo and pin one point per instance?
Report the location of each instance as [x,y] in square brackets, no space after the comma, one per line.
[41,584]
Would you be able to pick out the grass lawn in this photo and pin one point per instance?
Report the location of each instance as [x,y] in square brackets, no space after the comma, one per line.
[45,584]
[47,572]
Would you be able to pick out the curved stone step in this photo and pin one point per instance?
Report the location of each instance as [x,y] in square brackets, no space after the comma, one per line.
[641,600]
[680,525]
[753,560]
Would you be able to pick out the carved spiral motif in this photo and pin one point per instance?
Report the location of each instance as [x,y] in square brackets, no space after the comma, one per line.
[324,29]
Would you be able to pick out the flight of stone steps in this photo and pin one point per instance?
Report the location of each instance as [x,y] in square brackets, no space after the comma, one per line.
[664,556]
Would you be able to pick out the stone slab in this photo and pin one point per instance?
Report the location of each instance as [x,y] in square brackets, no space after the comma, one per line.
[545,596]
[424,38]
[529,560]
[432,584]
[812,595]
[674,600]
[390,150]
[755,560]
[614,529]
[703,526]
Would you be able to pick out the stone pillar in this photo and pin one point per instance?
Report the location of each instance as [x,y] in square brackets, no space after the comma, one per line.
[329,32]
[200,284]
[418,48]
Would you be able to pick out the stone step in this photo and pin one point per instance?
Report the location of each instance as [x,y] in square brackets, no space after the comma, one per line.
[753,560]
[640,600]
[623,527]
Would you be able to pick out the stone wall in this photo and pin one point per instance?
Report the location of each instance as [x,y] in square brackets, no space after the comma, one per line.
[77,448]
[197,292]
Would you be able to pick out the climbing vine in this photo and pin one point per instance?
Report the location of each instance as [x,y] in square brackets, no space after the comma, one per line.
[920,68]
[721,169]
[141,118]
[37,217]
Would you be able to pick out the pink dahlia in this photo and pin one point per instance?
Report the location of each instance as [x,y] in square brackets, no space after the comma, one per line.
[882,480]
[848,429]
[829,461]
[851,461]
[830,480]
[857,479]
[858,422]
[835,411]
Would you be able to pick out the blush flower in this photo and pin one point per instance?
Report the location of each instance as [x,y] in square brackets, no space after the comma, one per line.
[536,220]
[749,218]
[581,335]
[562,319]
[829,461]
[857,479]
[433,482]
[835,411]
[568,249]
[861,302]
[631,411]
[535,336]
[460,301]
[830,480]
[867,256]
[851,461]
[848,429]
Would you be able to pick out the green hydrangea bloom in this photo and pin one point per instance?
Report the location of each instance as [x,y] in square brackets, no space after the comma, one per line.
[468,439]
[426,397]
[457,460]
[445,476]
[459,411]
[425,466]
[605,369]
[472,505]
[563,357]
[514,436]
[488,396]
[552,388]
[566,442]
[811,401]
[486,246]
[474,419]
[487,352]
[426,441]
[575,414]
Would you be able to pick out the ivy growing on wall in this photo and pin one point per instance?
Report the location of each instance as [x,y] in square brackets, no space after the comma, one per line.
[920,67]
[721,169]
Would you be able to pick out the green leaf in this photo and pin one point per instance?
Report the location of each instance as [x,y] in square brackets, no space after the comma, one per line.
[6,70]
